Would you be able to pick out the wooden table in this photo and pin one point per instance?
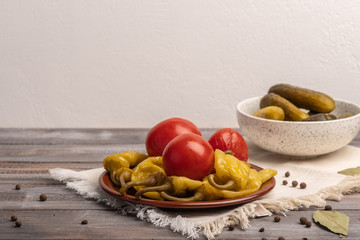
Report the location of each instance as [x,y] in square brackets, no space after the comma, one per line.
[26,155]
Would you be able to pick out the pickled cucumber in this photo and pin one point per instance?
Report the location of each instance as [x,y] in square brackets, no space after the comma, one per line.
[321,117]
[292,113]
[346,115]
[305,98]
[271,112]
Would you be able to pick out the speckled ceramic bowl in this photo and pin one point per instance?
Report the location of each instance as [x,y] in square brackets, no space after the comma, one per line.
[299,138]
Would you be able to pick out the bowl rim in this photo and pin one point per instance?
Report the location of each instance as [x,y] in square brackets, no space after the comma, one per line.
[297,122]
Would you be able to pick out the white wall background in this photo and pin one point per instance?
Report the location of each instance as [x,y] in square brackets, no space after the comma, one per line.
[95,63]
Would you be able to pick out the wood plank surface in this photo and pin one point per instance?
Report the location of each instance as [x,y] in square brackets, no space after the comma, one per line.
[26,155]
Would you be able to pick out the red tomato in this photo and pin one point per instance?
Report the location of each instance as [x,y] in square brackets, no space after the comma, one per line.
[188,155]
[229,139]
[162,133]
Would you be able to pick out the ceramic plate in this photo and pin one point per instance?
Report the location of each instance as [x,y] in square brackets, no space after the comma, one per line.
[110,188]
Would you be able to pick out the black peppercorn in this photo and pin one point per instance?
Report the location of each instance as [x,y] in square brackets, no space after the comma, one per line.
[294,183]
[277,219]
[303,220]
[285,182]
[328,208]
[18,223]
[13,218]
[231,227]
[262,229]
[302,185]
[263,238]
[281,238]
[84,222]
[287,174]
[308,224]
[17,186]
[43,197]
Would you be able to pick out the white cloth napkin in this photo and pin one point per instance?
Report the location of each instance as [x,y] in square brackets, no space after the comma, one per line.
[320,175]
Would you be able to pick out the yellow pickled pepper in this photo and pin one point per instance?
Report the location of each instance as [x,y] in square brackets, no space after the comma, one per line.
[183,185]
[115,164]
[255,180]
[228,167]
[144,170]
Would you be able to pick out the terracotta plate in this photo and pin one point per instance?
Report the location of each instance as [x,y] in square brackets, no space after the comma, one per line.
[110,188]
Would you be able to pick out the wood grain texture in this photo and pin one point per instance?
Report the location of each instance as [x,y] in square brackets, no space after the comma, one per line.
[26,155]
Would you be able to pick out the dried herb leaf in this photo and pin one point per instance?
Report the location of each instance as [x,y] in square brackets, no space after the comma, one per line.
[350,171]
[335,221]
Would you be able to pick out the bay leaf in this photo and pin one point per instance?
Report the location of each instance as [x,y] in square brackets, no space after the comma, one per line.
[335,221]
[350,171]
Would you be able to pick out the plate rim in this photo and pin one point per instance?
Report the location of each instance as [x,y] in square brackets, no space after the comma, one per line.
[106,184]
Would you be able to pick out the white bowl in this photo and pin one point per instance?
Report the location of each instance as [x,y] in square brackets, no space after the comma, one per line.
[299,138]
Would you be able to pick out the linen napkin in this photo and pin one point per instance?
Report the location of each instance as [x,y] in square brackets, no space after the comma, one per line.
[319,173]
